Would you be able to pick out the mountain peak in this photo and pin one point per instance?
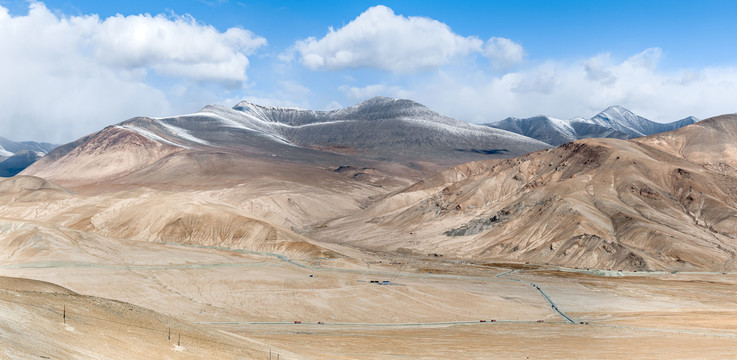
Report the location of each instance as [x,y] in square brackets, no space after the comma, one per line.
[381,99]
[245,105]
[387,101]
[616,110]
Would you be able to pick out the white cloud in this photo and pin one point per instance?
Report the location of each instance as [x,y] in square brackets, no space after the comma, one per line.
[174,46]
[63,77]
[380,39]
[369,91]
[583,88]
[597,71]
[503,53]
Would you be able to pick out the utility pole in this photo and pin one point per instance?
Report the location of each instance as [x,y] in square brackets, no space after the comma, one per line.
[65,314]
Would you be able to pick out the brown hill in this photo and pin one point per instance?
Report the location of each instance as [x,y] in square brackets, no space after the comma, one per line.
[195,218]
[240,185]
[105,155]
[668,201]
[46,321]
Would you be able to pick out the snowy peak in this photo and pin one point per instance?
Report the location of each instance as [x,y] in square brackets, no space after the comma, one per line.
[614,122]
[375,108]
[544,128]
[623,120]
[617,111]
[616,114]
[383,101]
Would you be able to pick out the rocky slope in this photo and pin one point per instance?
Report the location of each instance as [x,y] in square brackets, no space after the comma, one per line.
[667,201]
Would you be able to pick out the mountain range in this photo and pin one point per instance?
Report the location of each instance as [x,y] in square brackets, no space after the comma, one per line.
[16,156]
[393,175]
[399,136]
[614,122]
[380,129]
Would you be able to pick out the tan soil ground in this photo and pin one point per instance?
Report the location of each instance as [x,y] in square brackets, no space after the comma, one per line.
[250,301]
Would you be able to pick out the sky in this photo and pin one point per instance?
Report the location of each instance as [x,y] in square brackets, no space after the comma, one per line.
[69,68]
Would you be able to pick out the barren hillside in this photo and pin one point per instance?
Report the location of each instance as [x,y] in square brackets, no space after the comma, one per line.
[667,201]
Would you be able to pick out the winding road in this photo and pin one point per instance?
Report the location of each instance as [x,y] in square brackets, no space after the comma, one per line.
[550,301]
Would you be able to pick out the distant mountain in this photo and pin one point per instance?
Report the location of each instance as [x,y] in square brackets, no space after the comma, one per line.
[556,131]
[390,131]
[18,162]
[614,122]
[15,146]
[625,121]
[16,156]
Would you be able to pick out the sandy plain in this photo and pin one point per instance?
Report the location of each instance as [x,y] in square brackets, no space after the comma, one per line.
[239,304]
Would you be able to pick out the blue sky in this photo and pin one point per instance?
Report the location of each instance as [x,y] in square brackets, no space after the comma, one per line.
[73,67]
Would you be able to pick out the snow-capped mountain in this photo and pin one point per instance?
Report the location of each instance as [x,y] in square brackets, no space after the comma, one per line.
[614,122]
[9,147]
[625,121]
[380,128]
[16,156]
[17,162]
[384,132]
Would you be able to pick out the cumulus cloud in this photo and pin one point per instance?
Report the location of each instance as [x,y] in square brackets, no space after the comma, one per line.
[597,71]
[63,77]
[583,88]
[503,52]
[171,45]
[381,39]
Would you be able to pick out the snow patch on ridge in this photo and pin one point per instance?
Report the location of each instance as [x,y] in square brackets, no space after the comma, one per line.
[261,128]
[149,135]
[183,134]
[311,124]
[469,130]
[562,126]
[4,152]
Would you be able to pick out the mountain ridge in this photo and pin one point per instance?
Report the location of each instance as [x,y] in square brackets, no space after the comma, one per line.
[613,122]
[380,129]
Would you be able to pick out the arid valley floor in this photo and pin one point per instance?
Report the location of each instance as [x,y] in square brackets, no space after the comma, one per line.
[234,304]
